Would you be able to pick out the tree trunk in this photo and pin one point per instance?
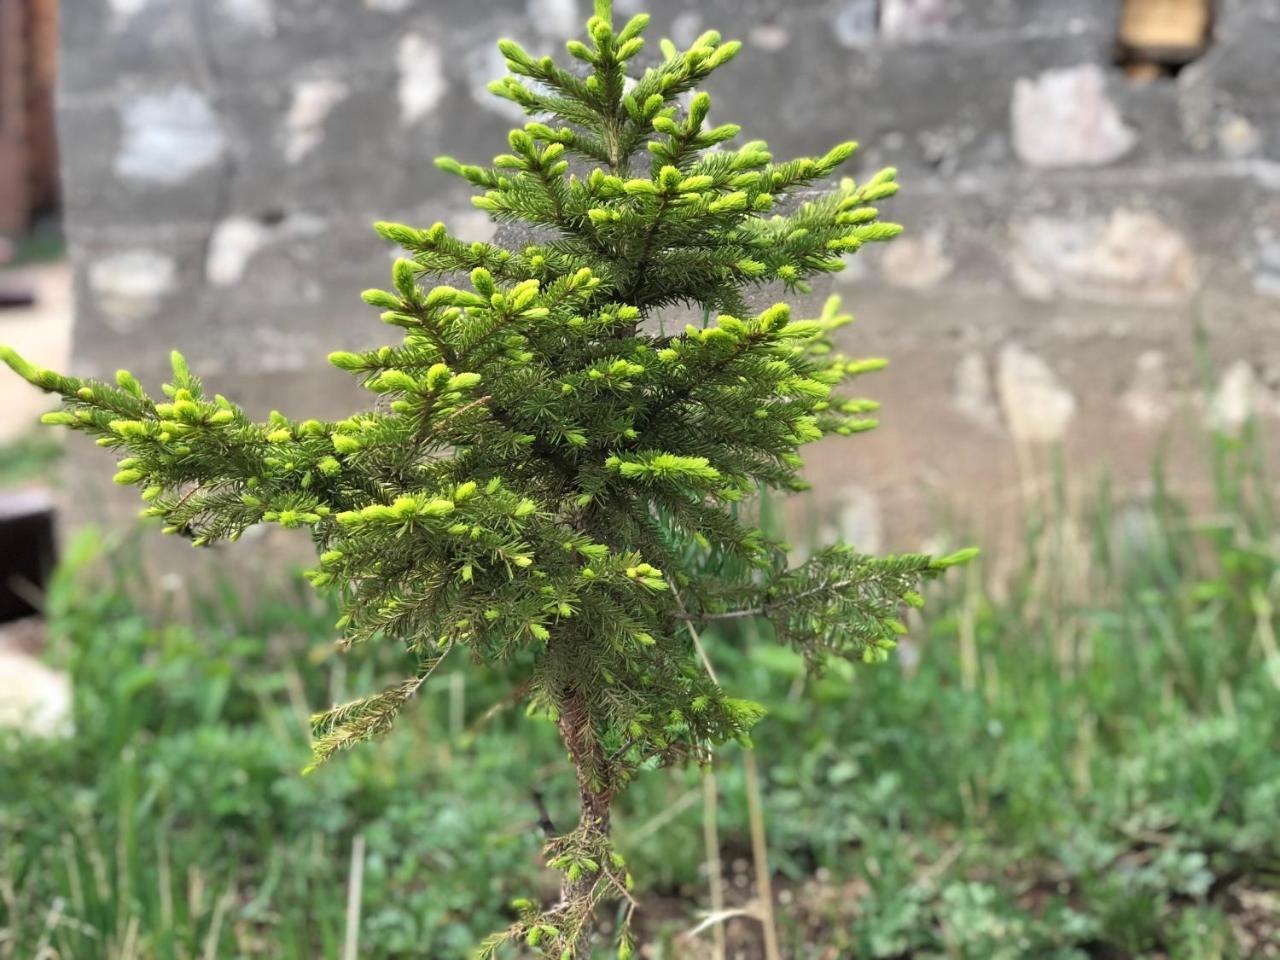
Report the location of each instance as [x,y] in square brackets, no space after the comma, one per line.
[595,782]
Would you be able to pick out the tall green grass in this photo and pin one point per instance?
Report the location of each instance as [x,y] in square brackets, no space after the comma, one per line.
[1077,762]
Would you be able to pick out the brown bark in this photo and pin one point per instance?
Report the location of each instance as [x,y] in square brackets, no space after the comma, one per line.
[595,789]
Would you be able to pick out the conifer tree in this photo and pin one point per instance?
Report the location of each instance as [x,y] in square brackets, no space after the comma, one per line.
[548,475]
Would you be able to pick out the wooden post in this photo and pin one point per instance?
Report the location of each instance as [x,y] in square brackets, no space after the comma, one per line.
[28,155]
[13,116]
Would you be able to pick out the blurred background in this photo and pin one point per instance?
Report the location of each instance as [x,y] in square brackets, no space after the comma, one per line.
[1075,756]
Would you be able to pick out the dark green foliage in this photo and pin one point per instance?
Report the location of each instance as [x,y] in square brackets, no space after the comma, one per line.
[546,467]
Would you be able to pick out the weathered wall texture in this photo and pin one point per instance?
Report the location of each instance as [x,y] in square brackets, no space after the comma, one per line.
[224,159]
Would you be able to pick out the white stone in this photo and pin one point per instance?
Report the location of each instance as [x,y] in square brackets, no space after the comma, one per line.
[303,225]
[1130,257]
[310,106]
[1148,398]
[258,16]
[686,28]
[34,699]
[233,244]
[485,63]
[769,36]
[472,225]
[1238,138]
[422,79]
[855,270]
[1239,396]
[1198,104]
[124,10]
[973,393]
[174,582]
[855,23]
[1266,261]
[129,286]
[236,240]
[917,262]
[860,521]
[1037,407]
[1064,118]
[914,19]
[555,18]
[168,136]
[1232,402]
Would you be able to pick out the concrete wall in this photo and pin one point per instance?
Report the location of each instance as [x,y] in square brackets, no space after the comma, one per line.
[224,158]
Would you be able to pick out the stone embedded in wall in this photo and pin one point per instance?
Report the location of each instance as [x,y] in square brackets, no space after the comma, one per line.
[484,64]
[917,262]
[1130,257]
[1037,407]
[237,239]
[255,15]
[123,11]
[1064,118]
[855,270]
[1148,399]
[1266,261]
[972,392]
[685,28]
[1240,395]
[1197,105]
[310,105]
[233,244]
[1237,138]
[856,23]
[422,80]
[769,36]
[860,520]
[555,18]
[168,136]
[129,287]
[471,225]
[914,19]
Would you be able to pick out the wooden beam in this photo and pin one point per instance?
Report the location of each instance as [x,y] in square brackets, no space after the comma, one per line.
[28,141]
[1165,29]
[14,201]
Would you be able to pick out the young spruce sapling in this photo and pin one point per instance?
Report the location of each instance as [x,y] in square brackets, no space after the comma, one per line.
[547,471]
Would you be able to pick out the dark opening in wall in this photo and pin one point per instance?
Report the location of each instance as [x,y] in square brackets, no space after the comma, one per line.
[27,552]
[1160,37]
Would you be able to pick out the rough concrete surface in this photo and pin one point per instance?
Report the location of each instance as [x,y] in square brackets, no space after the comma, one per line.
[1067,226]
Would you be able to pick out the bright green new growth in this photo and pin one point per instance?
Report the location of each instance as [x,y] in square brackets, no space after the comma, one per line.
[549,475]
